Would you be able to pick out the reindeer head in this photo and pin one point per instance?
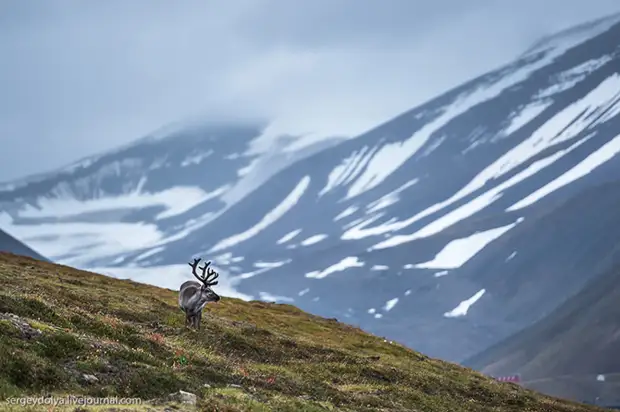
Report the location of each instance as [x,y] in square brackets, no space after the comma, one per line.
[207,278]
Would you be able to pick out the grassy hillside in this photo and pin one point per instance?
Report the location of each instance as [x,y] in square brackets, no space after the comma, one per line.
[64,331]
[563,353]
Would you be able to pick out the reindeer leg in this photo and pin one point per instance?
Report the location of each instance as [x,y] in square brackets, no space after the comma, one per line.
[198,320]
[190,320]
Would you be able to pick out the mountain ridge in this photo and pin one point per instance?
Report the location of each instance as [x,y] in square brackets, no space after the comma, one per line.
[9,244]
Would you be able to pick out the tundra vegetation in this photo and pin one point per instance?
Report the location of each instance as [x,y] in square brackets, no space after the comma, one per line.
[65,331]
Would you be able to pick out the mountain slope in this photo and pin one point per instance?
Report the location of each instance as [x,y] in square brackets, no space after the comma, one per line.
[563,353]
[128,340]
[436,228]
[9,244]
[148,193]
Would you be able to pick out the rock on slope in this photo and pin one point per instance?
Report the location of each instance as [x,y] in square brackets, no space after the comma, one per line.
[99,336]
[447,228]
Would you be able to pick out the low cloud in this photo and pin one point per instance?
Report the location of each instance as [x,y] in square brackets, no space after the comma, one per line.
[81,77]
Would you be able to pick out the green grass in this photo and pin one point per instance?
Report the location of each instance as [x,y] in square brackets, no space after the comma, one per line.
[58,324]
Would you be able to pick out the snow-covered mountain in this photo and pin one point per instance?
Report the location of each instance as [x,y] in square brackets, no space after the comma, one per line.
[448,228]
[140,198]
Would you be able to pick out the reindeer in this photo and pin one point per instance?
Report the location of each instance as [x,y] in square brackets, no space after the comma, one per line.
[193,296]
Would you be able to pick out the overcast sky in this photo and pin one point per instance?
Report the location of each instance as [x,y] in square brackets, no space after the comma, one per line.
[78,77]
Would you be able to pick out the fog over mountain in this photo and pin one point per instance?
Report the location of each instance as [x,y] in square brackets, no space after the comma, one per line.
[79,78]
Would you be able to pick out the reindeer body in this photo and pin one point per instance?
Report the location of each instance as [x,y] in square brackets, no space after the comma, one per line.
[193,296]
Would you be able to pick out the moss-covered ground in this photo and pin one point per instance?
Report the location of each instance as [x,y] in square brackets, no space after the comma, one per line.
[66,332]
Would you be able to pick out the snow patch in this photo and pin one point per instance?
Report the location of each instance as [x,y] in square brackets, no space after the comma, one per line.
[223,259]
[264,267]
[313,239]
[389,199]
[245,171]
[587,165]
[75,244]
[176,201]
[526,115]
[389,305]
[357,230]
[196,159]
[151,252]
[347,212]
[338,176]
[379,267]
[463,307]
[271,264]
[609,112]
[287,204]
[456,253]
[346,263]
[440,274]
[288,236]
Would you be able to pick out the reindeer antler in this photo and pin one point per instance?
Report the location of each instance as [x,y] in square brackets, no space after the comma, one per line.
[194,266]
[211,275]
[207,277]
